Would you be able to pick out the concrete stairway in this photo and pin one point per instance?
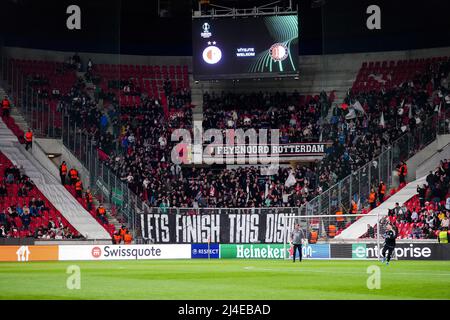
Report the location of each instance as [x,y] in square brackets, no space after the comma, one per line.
[359,228]
[197,100]
[15,113]
[51,188]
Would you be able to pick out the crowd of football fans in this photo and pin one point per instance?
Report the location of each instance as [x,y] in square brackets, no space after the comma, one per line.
[403,108]
[297,118]
[19,217]
[428,213]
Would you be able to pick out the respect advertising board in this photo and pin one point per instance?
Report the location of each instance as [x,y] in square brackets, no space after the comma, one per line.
[205,251]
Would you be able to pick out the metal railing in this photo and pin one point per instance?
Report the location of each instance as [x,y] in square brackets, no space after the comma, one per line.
[102,179]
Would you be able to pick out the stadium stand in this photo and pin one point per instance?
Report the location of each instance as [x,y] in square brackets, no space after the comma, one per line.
[356,140]
[297,116]
[137,122]
[48,187]
[50,80]
[426,213]
[25,211]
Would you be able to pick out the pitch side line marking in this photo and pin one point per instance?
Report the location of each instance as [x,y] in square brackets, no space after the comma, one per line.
[321,271]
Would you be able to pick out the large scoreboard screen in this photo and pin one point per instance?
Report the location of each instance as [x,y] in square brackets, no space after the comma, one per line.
[231,48]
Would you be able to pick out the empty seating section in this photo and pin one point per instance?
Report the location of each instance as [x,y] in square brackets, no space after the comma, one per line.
[149,80]
[46,75]
[15,225]
[375,75]
[49,80]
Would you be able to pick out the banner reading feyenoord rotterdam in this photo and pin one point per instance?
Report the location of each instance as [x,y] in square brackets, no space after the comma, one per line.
[216,228]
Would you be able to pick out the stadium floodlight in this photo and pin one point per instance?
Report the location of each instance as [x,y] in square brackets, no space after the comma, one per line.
[220,11]
[326,229]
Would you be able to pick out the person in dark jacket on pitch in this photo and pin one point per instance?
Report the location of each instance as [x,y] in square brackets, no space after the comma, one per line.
[389,244]
[296,237]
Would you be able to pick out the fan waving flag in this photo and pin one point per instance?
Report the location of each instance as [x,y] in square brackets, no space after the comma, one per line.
[382,124]
[290,181]
[357,106]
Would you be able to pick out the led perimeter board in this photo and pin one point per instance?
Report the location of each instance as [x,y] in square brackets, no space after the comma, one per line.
[251,47]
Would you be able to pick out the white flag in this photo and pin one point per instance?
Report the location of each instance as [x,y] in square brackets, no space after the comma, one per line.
[357,105]
[351,114]
[290,181]
[382,124]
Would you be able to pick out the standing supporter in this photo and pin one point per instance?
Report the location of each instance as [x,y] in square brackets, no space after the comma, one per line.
[101,214]
[3,231]
[422,192]
[402,172]
[354,207]
[73,173]
[340,219]
[79,188]
[381,192]
[122,231]
[63,172]
[443,236]
[127,238]
[372,199]
[117,238]
[28,139]
[89,199]
[6,106]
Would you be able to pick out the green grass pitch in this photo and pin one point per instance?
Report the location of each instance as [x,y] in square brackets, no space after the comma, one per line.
[225,279]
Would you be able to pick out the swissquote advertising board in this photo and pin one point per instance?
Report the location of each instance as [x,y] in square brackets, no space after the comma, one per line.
[357,251]
[94,252]
[125,252]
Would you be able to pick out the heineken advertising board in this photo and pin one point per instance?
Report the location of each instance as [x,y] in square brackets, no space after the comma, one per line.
[272,251]
[253,251]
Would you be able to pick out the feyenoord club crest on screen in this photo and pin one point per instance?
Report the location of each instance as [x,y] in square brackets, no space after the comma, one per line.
[244,48]
[212,54]
[279,52]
